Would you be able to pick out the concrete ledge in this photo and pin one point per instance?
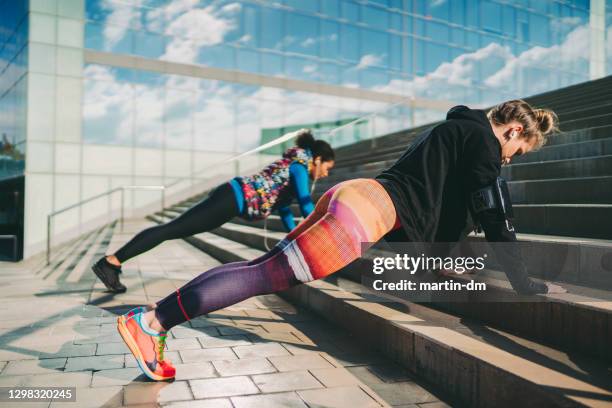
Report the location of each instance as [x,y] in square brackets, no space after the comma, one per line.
[570,321]
[475,373]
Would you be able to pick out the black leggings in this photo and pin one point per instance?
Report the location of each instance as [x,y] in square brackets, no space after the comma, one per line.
[215,210]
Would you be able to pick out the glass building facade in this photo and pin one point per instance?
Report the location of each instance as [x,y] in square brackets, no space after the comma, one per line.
[104,93]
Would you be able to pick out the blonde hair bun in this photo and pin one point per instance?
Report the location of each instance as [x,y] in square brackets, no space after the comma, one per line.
[547,120]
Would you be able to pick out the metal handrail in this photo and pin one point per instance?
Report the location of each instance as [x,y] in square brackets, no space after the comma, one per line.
[107,193]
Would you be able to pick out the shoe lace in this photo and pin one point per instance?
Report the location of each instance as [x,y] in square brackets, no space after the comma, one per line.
[161,344]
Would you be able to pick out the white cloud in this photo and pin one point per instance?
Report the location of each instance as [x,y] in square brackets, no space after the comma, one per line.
[309,69]
[120,18]
[499,70]
[574,48]
[193,30]
[437,3]
[231,8]
[308,42]
[369,60]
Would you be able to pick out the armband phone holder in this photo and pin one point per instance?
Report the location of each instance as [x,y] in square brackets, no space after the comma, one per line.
[495,196]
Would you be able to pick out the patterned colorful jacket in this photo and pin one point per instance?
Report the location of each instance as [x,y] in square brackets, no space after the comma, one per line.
[262,190]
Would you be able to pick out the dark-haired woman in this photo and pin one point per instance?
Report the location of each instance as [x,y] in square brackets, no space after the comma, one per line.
[253,198]
[426,193]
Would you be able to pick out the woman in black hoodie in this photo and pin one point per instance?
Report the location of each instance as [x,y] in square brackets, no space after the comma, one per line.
[449,169]
[435,182]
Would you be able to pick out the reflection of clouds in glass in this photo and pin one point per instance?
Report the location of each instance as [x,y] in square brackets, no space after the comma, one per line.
[574,49]
[564,24]
[189,27]
[225,116]
[193,30]
[369,60]
[308,42]
[118,20]
[498,69]
[309,69]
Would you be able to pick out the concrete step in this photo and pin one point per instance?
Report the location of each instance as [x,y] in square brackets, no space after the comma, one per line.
[574,220]
[273,224]
[462,360]
[587,122]
[580,135]
[579,167]
[585,111]
[399,141]
[590,148]
[595,141]
[582,190]
[578,261]
[575,102]
[554,169]
[569,94]
[478,365]
[569,220]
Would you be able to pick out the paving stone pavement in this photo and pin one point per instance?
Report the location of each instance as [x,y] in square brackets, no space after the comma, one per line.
[58,328]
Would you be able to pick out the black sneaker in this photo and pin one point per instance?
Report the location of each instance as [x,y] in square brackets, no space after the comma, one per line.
[109,275]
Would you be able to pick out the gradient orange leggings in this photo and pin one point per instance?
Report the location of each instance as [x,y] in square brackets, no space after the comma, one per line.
[348,215]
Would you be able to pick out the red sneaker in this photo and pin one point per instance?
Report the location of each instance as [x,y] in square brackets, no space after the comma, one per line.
[147,347]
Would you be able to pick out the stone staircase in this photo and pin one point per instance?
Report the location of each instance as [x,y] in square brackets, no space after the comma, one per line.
[545,350]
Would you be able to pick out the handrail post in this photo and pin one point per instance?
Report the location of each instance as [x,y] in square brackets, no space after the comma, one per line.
[122,204]
[48,239]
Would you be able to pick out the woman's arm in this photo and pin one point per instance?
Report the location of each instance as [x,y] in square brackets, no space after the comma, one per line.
[286,218]
[483,168]
[298,175]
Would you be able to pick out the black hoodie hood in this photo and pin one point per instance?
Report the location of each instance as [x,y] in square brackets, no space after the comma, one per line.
[465,113]
[462,112]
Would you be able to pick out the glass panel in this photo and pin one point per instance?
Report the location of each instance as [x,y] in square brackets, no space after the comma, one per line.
[329,73]
[331,8]
[271,28]
[374,48]
[248,60]
[349,10]
[179,119]
[108,108]
[349,38]
[329,39]
[371,78]
[214,124]
[310,5]
[150,45]
[148,115]
[249,26]
[271,64]
[375,17]
[440,9]
[108,38]
[491,16]
[302,34]
[221,56]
